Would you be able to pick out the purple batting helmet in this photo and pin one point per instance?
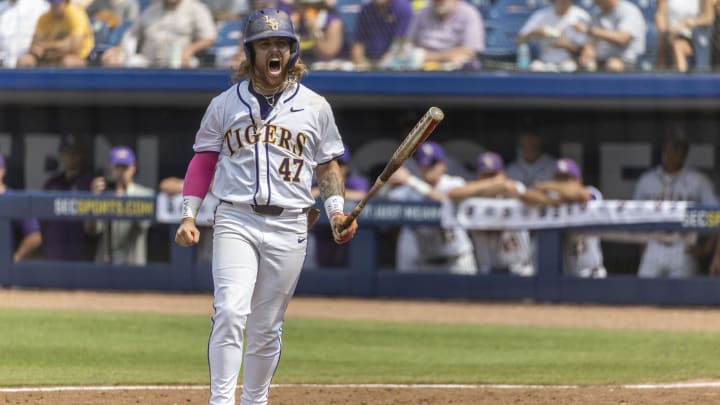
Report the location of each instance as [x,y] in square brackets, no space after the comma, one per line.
[269,23]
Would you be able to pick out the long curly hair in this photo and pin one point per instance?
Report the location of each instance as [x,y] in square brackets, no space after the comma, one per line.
[246,70]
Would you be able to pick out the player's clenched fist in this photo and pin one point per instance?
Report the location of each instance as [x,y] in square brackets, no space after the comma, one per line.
[342,235]
[187,234]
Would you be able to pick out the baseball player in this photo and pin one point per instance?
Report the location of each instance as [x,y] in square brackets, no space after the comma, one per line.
[582,254]
[671,180]
[260,141]
[497,249]
[430,248]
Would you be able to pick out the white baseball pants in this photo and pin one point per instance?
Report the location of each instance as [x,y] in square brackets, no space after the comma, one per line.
[256,265]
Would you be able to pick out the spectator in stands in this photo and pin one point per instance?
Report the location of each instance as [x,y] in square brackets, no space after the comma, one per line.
[17,26]
[66,240]
[673,181]
[224,10]
[327,253]
[26,232]
[320,30]
[430,248]
[377,25]
[553,27]
[114,12]
[233,56]
[616,37]
[497,250]
[675,21]
[170,33]
[532,163]
[448,34]
[63,37]
[582,254]
[121,241]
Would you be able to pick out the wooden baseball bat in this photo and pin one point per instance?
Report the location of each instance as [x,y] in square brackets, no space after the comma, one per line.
[409,145]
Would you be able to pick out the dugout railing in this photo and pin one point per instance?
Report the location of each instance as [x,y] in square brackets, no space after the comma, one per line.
[363,277]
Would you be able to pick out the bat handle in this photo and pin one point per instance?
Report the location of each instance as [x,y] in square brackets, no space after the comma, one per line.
[353,215]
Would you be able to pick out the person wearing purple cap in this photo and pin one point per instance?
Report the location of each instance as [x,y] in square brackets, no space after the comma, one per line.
[121,241]
[582,254]
[674,180]
[430,248]
[497,250]
[26,232]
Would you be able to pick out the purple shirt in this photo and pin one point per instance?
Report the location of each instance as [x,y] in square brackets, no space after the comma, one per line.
[66,240]
[23,227]
[376,27]
[307,43]
[462,28]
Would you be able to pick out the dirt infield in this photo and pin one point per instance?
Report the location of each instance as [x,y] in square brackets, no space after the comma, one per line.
[646,318]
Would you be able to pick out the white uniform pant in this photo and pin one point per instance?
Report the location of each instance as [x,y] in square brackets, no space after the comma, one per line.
[667,260]
[256,265]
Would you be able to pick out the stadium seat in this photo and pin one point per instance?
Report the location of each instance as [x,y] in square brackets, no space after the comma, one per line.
[144,4]
[702,48]
[348,10]
[647,7]
[106,38]
[483,6]
[226,42]
[504,10]
[230,33]
[500,38]
[588,5]
[647,60]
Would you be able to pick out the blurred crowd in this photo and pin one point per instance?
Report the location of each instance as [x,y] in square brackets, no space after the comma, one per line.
[537,35]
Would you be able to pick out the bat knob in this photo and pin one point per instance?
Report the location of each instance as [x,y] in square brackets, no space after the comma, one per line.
[436,113]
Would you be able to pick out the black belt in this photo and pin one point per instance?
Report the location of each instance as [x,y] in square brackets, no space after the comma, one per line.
[269,210]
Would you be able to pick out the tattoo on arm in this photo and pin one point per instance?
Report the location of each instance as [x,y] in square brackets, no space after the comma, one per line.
[330,184]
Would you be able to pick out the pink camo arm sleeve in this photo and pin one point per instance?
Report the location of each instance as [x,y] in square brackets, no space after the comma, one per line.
[199,174]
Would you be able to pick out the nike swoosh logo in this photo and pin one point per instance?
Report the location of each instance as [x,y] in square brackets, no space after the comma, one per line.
[293,109]
[301,240]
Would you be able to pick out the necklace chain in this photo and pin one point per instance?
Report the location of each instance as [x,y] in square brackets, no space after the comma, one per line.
[270,99]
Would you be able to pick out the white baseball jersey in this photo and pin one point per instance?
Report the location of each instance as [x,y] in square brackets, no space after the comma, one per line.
[661,258]
[582,253]
[435,243]
[504,249]
[271,161]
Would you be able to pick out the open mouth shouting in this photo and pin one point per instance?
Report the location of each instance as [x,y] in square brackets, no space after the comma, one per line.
[274,66]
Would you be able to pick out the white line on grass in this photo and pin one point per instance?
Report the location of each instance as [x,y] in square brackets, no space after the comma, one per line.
[708,384]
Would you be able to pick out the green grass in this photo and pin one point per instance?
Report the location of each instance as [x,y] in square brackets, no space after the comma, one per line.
[43,348]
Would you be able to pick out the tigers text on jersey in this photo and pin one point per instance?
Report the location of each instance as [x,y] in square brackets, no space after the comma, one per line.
[271,161]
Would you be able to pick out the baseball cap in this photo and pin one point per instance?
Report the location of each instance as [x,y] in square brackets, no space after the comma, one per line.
[568,167]
[122,155]
[429,153]
[489,162]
